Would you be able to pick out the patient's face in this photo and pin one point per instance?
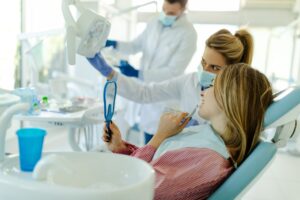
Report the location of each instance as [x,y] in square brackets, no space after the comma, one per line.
[208,105]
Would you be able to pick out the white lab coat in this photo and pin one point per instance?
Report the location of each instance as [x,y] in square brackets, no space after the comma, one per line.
[167,52]
[185,89]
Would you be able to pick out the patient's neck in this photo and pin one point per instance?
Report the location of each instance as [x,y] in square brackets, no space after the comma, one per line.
[218,123]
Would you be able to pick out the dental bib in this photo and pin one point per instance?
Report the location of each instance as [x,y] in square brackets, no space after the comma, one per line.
[201,136]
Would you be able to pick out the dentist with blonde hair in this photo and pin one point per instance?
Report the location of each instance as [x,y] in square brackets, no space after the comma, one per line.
[167,45]
[222,48]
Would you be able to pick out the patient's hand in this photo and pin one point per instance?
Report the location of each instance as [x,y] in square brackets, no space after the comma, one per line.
[170,124]
[115,144]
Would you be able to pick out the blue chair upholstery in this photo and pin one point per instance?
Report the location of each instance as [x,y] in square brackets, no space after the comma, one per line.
[284,109]
[248,170]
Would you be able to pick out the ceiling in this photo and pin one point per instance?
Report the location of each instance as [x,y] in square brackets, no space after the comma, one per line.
[260,13]
[276,4]
[235,4]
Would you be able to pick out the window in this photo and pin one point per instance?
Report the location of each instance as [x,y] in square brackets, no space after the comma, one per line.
[214,5]
[43,46]
[194,5]
[43,15]
[10,16]
[273,55]
[151,7]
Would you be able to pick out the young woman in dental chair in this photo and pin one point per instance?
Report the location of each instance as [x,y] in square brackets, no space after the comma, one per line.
[191,163]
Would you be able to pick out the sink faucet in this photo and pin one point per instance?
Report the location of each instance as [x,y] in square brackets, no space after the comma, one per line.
[5,123]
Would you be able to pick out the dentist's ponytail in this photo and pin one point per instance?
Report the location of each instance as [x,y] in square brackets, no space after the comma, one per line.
[247,41]
[237,48]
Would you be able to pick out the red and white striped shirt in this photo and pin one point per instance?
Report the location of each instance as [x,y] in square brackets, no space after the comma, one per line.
[186,173]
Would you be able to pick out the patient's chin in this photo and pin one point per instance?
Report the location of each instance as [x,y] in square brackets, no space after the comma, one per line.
[203,114]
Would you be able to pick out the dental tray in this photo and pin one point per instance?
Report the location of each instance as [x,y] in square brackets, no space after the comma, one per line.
[72,109]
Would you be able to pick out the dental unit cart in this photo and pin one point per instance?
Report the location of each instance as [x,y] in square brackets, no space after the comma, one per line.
[74,121]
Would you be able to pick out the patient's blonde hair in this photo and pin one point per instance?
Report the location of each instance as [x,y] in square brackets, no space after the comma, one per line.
[237,48]
[244,94]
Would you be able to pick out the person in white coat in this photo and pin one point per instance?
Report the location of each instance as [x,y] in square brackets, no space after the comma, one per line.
[222,48]
[167,45]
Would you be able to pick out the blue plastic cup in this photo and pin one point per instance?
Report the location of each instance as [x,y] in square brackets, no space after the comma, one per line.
[30,147]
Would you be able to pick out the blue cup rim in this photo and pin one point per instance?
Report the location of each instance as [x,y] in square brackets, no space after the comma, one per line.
[27,132]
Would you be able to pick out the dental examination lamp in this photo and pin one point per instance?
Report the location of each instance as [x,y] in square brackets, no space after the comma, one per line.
[87,35]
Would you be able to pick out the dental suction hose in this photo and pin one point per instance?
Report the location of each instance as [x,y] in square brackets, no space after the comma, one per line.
[5,123]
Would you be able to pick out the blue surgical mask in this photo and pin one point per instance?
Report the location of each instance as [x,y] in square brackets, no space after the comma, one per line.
[205,78]
[167,20]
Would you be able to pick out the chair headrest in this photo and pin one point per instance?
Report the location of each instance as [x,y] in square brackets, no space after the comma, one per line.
[284,109]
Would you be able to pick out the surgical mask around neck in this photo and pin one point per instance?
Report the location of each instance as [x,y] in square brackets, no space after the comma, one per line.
[205,78]
[167,20]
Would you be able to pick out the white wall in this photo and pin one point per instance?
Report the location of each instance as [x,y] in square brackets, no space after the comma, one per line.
[47,15]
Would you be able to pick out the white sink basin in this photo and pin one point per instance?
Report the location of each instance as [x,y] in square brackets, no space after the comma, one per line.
[78,176]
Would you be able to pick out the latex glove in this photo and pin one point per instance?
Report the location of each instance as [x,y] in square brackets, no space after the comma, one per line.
[192,122]
[127,69]
[111,43]
[100,64]
[115,143]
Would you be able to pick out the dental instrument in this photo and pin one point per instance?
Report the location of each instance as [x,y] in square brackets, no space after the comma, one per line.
[171,110]
[91,28]
[192,113]
[109,98]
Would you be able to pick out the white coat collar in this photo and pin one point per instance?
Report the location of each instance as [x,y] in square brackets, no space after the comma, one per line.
[182,20]
[196,79]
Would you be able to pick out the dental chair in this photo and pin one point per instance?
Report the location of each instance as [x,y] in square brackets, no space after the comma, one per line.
[282,116]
